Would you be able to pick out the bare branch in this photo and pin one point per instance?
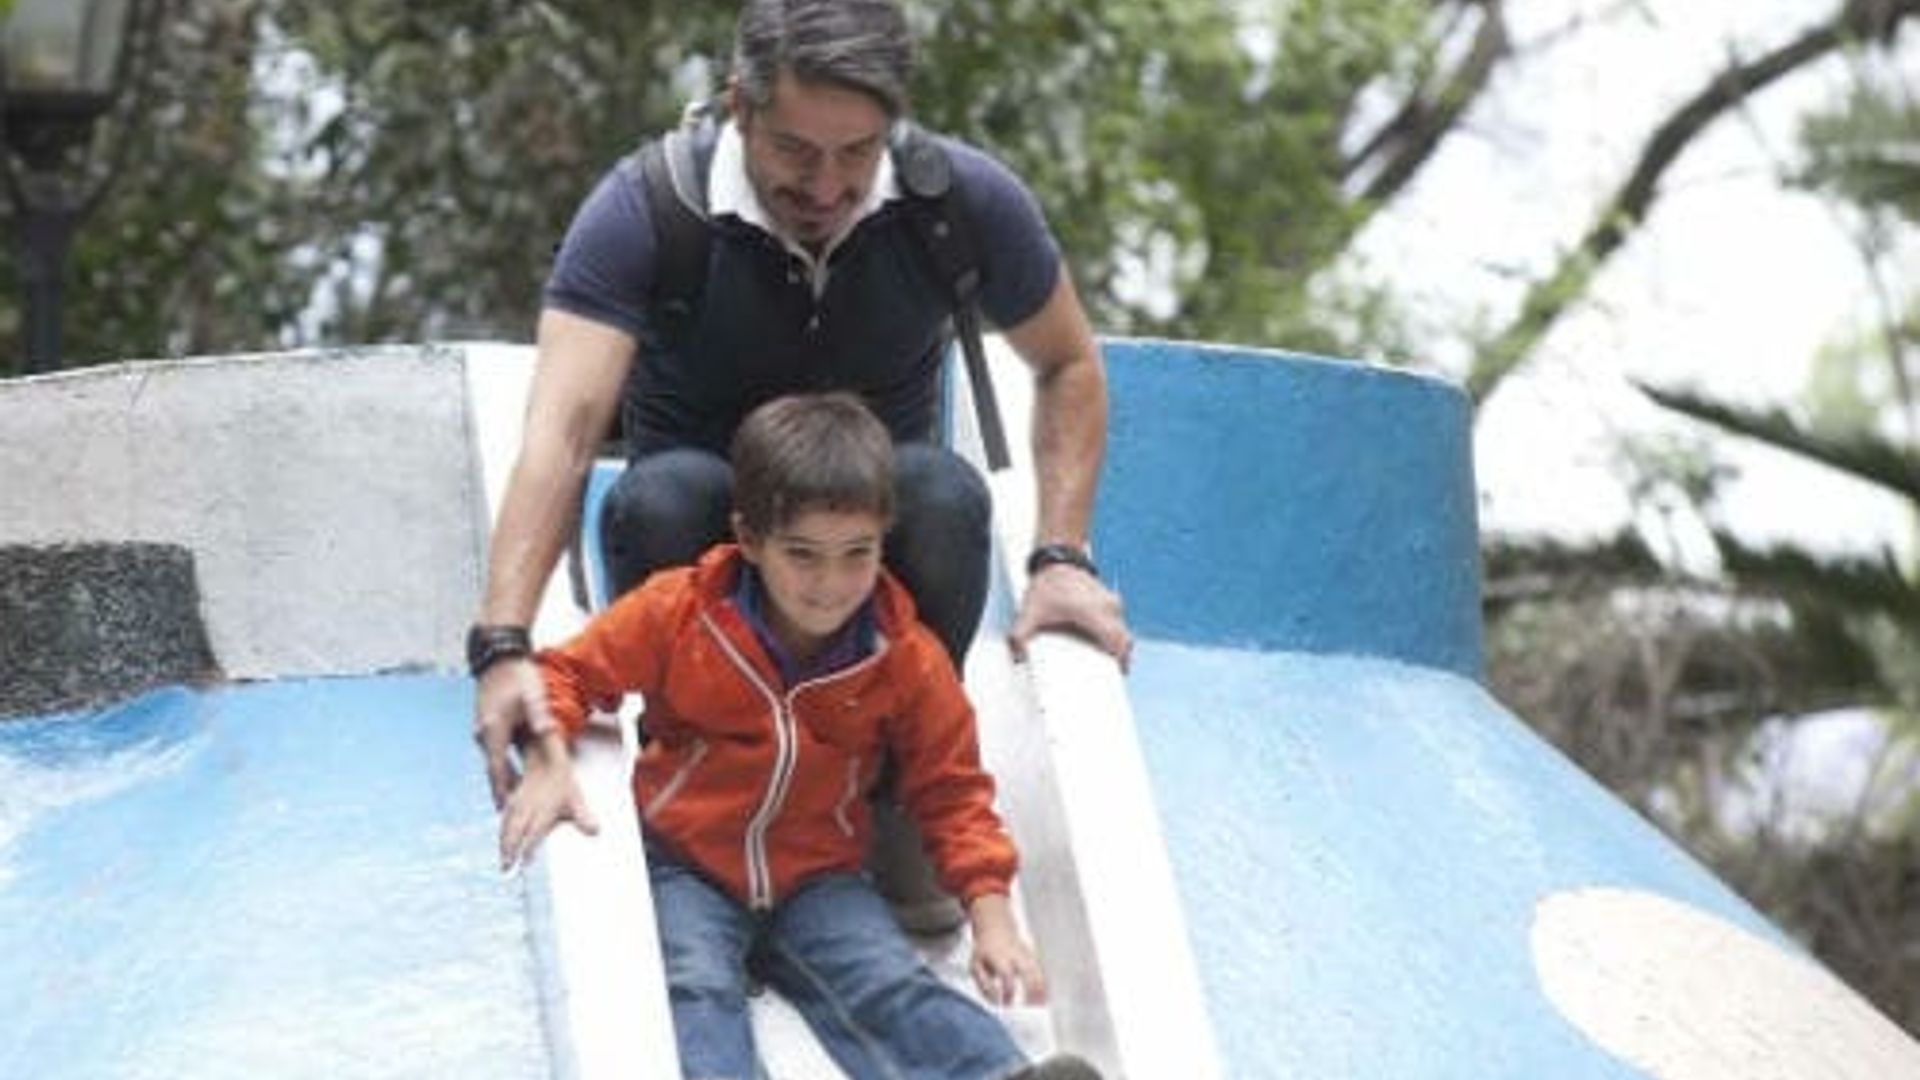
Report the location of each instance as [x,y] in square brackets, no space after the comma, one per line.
[1549,298]
[1865,456]
[1396,152]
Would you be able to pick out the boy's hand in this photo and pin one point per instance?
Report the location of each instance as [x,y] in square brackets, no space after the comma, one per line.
[546,795]
[1004,967]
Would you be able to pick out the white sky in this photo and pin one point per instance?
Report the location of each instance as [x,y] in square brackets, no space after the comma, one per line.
[1732,286]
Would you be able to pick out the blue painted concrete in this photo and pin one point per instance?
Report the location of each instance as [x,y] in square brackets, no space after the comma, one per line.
[295,879]
[1359,846]
[288,880]
[1269,500]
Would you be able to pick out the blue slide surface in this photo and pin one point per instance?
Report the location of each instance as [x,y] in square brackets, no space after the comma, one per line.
[287,879]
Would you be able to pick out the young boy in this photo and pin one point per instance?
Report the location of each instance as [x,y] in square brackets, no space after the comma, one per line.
[778,674]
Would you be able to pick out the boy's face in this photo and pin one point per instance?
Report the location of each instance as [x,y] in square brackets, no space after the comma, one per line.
[818,568]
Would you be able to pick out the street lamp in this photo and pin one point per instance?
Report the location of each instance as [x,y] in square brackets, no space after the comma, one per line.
[62,63]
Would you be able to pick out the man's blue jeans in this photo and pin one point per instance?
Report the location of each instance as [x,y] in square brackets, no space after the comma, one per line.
[833,950]
[671,505]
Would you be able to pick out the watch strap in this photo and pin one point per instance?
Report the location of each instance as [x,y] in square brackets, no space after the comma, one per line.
[488,645]
[1060,554]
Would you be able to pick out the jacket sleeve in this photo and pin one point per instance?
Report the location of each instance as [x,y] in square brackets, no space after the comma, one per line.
[622,650]
[942,784]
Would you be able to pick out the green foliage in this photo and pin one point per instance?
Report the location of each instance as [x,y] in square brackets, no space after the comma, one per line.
[368,170]
[1868,151]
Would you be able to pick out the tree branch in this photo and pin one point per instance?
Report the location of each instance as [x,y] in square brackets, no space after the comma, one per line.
[1550,297]
[1866,457]
[1405,142]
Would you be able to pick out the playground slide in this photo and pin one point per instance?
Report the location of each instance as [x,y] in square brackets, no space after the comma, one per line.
[1096,892]
[1298,839]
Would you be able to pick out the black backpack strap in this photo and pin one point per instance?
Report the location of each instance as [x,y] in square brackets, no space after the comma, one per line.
[939,221]
[677,207]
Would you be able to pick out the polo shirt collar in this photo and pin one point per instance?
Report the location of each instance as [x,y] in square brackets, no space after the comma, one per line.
[730,192]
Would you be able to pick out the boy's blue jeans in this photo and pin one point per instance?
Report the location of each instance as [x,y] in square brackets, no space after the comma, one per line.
[833,950]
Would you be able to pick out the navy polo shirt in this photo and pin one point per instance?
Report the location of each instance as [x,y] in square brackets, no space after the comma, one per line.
[880,325]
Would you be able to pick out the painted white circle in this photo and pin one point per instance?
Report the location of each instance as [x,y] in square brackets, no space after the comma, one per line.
[1682,994]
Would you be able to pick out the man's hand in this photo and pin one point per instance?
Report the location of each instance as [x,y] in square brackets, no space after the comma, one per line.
[547,795]
[509,698]
[1065,597]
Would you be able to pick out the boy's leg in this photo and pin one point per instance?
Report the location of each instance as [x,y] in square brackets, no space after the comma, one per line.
[664,510]
[833,949]
[704,937]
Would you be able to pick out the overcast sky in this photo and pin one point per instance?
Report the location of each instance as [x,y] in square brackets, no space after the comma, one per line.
[1733,285]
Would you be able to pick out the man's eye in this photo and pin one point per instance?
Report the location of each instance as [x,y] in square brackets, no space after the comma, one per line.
[860,154]
[794,151]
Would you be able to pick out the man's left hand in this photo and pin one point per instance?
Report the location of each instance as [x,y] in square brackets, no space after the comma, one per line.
[1063,597]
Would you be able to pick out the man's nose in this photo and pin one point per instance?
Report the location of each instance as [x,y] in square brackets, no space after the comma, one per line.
[825,185]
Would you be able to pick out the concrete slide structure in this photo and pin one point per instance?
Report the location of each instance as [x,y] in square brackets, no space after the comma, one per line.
[1297,840]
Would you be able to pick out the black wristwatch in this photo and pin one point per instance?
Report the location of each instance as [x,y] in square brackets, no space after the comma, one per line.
[488,645]
[1055,554]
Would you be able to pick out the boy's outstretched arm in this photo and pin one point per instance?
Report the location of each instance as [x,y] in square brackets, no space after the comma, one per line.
[546,795]
[1004,967]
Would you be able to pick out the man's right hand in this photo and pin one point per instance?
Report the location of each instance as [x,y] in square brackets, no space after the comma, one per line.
[509,699]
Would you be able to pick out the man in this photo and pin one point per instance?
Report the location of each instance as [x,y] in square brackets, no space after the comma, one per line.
[813,282]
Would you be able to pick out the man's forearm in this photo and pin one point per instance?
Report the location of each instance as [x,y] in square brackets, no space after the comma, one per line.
[1069,438]
[538,514]
[576,387]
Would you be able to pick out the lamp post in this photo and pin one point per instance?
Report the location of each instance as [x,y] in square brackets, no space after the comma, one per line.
[62,64]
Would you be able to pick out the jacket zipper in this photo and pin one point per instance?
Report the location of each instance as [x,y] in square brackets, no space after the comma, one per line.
[846,797]
[785,758]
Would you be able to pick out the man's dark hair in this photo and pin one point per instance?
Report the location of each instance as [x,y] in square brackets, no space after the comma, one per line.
[863,45]
[809,452]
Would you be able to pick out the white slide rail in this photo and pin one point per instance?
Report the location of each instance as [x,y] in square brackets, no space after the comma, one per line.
[603,1002]
[1099,891]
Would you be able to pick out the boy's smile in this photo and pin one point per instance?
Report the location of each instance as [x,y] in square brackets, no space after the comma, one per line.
[818,569]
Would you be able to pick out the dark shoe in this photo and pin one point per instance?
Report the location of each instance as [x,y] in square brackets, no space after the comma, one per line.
[1058,1067]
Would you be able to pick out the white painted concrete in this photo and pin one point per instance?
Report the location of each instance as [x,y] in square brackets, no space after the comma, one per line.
[604,1001]
[1682,994]
[1058,732]
[326,496]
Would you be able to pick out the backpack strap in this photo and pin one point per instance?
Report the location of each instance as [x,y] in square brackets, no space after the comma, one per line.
[677,207]
[952,252]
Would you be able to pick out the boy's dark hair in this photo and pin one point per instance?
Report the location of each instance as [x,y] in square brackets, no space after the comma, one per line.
[863,45]
[810,452]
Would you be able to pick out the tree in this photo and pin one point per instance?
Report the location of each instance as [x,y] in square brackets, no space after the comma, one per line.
[1667,685]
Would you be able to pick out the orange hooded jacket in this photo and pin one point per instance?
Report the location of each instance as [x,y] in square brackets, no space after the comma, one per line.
[763,786]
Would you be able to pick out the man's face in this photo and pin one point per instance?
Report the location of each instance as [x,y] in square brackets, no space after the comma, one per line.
[812,155]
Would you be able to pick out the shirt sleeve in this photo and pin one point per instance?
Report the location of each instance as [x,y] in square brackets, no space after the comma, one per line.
[621,650]
[604,268]
[942,784]
[1019,257]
